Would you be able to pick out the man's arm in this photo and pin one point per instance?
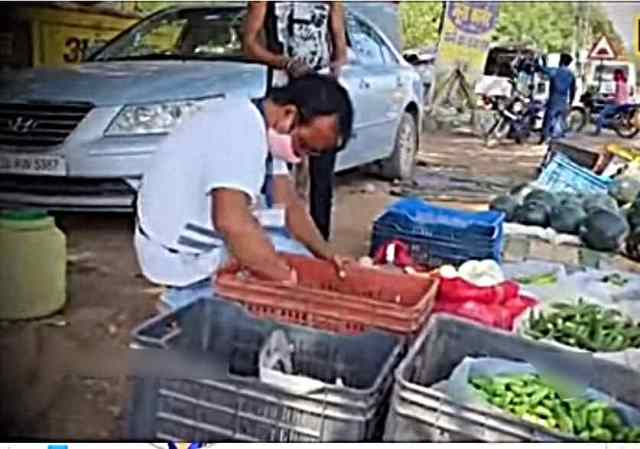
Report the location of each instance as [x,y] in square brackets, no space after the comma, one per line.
[338,33]
[299,222]
[232,217]
[251,41]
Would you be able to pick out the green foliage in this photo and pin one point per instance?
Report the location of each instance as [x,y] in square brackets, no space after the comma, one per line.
[420,22]
[549,26]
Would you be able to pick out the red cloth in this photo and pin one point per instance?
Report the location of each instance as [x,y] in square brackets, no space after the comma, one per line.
[496,306]
[402,257]
[459,290]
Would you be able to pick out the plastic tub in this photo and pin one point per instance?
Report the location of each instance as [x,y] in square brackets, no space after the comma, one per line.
[239,406]
[33,263]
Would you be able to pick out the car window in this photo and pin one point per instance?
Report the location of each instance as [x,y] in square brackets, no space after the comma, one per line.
[189,33]
[364,41]
[387,54]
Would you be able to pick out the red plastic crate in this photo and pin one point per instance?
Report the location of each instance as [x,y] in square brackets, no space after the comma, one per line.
[365,298]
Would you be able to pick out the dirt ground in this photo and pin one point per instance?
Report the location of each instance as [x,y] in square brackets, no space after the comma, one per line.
[53,387]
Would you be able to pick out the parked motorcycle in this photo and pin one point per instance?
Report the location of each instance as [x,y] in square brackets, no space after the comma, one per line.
[517,117]
[624,122]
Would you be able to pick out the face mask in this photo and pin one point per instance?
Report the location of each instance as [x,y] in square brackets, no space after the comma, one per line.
[281,146]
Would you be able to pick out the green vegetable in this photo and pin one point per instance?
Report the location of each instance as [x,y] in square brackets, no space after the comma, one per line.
[585,326]
[529,398]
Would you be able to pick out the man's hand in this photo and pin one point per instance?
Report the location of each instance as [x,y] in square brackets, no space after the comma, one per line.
[342,264]
[297,67]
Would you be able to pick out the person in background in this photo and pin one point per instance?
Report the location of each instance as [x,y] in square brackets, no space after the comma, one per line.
[621,98]
[218,189]
[562,92]
[293,39]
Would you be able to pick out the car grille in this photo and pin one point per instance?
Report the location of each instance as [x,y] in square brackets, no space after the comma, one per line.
[51,185]
[37,126]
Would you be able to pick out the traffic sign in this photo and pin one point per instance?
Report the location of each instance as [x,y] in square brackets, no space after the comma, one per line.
[602,49]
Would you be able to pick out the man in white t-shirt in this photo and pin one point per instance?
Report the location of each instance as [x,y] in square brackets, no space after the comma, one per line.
[201,202]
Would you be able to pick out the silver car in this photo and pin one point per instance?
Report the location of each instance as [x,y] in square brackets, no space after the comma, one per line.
[78,138]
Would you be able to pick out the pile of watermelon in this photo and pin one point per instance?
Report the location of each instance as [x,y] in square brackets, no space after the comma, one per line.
[604,221]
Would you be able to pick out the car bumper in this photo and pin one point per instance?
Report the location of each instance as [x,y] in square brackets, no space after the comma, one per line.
[68,193]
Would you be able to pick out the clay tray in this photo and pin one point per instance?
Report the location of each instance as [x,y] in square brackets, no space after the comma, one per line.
[366,298]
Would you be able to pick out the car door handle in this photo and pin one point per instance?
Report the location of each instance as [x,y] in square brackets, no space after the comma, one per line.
[364,84]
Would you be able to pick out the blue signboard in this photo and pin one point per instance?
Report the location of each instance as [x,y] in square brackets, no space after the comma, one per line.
[473,17]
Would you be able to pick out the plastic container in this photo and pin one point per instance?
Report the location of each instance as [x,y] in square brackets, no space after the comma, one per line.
[366,298]
[33,263]
[438,235]
[239,406]
[421,410]
[563,175]
[417,217]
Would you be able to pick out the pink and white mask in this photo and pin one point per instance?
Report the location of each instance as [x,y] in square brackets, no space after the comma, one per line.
[281,147]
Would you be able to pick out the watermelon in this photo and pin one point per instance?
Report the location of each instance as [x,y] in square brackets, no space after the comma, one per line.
[506,204]
[541,196]
[599,201]
[624,190]
[520,191]
[567,219]
[532,214]
[604,230]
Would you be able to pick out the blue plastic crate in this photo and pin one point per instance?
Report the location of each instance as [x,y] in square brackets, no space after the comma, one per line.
[435,253]
[418,218]
[563,175]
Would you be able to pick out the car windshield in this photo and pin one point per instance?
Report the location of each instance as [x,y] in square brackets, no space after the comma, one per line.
[196,33]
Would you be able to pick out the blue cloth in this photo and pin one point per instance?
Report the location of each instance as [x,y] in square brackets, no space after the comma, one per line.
[607,112]
[562,89]
[176,297]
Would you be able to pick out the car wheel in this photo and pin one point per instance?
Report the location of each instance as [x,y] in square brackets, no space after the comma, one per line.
[402,162]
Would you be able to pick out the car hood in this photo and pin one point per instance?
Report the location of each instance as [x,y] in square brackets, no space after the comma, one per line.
[118,83]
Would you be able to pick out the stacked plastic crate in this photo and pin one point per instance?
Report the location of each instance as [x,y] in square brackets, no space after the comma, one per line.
[339,341]
[438,235]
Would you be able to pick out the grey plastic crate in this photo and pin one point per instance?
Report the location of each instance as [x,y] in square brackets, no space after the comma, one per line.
[238,406]
[421,410]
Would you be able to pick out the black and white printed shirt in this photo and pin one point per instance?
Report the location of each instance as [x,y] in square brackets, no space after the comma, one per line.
[299,29]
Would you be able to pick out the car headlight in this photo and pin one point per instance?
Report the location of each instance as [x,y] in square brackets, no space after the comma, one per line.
[154,118]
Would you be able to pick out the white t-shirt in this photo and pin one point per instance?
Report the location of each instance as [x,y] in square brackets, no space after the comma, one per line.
[222,146]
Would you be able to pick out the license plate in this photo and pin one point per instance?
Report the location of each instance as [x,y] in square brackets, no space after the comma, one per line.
[32,164]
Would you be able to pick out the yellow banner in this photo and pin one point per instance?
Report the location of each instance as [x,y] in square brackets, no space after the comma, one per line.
[466,35]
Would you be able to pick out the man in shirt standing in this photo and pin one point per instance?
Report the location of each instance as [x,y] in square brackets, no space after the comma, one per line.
[301,37]
[200,202]
[562,92]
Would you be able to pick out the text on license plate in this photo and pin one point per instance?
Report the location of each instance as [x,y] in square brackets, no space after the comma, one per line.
[32,164]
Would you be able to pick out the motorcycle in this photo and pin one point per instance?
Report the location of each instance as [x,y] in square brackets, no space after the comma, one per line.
[624,122]
[517,117]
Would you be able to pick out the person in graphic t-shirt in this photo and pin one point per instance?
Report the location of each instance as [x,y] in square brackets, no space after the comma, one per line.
[301,37]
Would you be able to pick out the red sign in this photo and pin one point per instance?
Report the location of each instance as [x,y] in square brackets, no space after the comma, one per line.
[602,49]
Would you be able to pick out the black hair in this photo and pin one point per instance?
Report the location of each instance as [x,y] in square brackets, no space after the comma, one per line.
[566,59]
[317,95]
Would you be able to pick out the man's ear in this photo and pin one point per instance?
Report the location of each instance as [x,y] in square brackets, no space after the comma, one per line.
[289,118]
